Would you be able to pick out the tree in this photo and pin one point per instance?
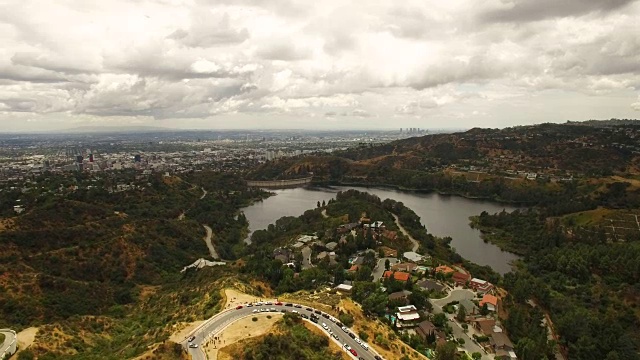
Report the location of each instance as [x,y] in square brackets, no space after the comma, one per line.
[324,203]
[318,205]
[446,351]
[476,356]
[462,313]
[484,310]
[387,264]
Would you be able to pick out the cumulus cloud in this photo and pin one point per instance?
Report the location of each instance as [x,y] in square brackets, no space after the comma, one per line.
[290,61]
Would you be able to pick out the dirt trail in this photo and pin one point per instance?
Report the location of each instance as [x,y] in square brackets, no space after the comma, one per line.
[207,240]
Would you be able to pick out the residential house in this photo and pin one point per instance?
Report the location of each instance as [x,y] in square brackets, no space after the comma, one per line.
[430,285]
[406,267]
[484,325]
[354,268]
[460,278]
[344,288]
[399,295]
[343,229]
[500,341]
[481,286]
[491,301]
[426,329]
[398,275]
[407,316]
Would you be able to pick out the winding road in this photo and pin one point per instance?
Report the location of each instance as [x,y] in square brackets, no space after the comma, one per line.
[219,322]
[207,240]
[415,242]
[9,343]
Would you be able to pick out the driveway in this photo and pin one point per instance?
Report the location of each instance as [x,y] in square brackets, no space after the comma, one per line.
[379,269]
[454,295]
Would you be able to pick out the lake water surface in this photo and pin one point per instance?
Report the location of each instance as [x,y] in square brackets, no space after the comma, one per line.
[443,215]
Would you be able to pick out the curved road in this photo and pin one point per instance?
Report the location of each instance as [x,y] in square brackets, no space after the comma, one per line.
[207,240]
[9,338]
[217,323]
[415,242]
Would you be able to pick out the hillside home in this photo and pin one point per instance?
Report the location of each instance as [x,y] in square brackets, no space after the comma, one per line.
[406,267]
[481,286]
[491,301]
[444,269]
[407,316]
[429,285]
[460,278]
[398,275]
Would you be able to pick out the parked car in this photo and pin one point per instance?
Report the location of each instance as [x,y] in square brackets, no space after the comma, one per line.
[279,303]
[191,338]
[238,307]
[298,306]
[288,304]
[354,352]
[309,309]
[193,346]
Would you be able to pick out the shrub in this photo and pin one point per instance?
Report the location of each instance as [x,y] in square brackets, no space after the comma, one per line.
[254,319]
[363,335]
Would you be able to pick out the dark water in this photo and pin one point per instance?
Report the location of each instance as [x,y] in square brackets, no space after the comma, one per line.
[443,215]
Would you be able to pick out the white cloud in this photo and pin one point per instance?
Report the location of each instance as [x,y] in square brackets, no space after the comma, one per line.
[283,63]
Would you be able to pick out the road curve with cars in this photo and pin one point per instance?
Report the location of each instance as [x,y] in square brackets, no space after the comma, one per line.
[332,327]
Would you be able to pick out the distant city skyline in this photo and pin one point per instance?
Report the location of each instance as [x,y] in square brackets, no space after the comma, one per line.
[289,64]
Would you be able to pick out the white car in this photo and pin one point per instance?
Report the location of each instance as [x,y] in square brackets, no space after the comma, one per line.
[344,328]
[193,346]
[347,347]
[255,310]
[325,326]
[358,341]
[365,346]
[268,303]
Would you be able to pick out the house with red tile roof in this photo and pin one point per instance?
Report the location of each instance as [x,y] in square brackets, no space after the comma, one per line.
[491,301]
[398,275]
[461,278]
[444,269]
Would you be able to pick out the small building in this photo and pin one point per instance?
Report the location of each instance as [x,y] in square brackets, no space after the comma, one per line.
[331,245]
[398,275]
[500,341]
[390,234]
[344,288]
[481,286]
[354,268]
[491,301]
[19,209]
[282,254]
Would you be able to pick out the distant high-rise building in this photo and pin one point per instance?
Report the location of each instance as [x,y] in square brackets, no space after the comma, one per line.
[90,157]
[137,158]
[79,159]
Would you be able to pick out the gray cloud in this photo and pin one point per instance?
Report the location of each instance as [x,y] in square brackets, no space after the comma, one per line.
[533,10]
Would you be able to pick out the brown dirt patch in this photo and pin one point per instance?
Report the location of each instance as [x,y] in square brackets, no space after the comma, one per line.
[239,330]
[182,330]
[234,298]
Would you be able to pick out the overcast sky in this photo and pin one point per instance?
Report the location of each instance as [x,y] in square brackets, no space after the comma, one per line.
[316,64]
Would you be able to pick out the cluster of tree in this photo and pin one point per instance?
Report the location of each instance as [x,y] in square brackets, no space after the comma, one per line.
[583,280]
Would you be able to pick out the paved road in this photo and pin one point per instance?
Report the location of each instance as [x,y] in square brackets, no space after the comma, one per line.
[207,240]
[458,332]
[415,242]
[379,269]
[217,323]
[306,257]
[9,338]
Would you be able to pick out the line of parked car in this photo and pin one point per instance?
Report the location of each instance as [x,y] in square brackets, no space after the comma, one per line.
[314,318]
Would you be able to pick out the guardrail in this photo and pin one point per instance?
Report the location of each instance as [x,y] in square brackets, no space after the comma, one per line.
[13,346]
